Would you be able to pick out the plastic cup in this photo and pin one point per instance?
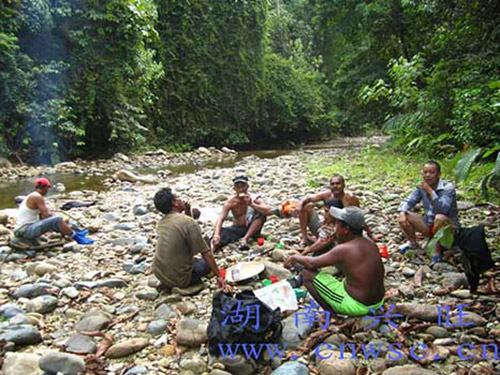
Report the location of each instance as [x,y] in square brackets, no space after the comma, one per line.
[383,251]
[274,279]
[222,272]
[266,282]
[260,241]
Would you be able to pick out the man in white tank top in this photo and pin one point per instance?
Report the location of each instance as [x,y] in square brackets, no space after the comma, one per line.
[34,218]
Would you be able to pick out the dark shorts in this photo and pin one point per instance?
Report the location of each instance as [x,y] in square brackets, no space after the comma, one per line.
[234,233]
[200,269]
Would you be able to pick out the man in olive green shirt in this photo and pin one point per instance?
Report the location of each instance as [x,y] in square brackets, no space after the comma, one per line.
[179,239]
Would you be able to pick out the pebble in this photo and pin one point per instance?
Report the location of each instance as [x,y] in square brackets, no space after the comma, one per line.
[21,335]
[80,344]
[126,348]
[57,362]
[21,364]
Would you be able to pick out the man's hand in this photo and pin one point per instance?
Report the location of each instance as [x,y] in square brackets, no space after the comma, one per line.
[423,185]
[222,284]
[289,261]
[247,199]
[403,218]
[216,240]
[187,208]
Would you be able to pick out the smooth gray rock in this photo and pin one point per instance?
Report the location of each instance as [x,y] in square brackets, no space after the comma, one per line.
[9,310]
[165,312]
[32,290]
[148,295]
[291,368]
[157,327]
[42,304]
[191,332]
[68,364]
[272,269]
[195,365]
[22,335]
[80,344]
[294,335]
[136,370]
[94,320]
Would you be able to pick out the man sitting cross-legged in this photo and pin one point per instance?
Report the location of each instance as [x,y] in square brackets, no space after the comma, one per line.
[249,215]
[356,257]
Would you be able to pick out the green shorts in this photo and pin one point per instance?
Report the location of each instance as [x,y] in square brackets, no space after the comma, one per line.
[335,295]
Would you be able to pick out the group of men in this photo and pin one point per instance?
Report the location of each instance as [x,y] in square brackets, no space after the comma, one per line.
[338,240]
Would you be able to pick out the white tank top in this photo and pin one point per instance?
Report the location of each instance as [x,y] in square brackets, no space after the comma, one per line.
[26,215]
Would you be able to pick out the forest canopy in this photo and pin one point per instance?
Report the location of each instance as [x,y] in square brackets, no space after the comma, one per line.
[86,77]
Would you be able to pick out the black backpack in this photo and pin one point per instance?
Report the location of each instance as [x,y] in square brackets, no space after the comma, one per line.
[267,331]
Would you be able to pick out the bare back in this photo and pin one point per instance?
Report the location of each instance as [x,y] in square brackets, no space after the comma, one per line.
[361,264]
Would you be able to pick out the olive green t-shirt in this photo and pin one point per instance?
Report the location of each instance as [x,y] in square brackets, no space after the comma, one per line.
[179,238]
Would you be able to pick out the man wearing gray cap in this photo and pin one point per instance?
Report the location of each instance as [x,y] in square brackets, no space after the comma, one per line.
[359,260]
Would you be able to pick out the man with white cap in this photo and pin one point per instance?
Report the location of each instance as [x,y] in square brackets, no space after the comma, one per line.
[34,218]
[356,257]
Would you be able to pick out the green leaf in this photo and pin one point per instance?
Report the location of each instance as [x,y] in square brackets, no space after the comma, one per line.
[465,163]
[494,85]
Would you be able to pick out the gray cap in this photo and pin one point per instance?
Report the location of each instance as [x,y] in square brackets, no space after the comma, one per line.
[351,215]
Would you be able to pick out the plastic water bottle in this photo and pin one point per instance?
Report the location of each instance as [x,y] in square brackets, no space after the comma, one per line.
[235,273]
[322,235]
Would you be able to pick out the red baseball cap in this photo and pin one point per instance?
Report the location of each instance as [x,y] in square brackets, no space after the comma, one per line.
[42,183]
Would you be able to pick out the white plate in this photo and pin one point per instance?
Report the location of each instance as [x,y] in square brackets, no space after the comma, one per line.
[246,270]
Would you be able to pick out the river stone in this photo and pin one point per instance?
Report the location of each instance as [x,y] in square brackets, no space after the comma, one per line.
[55,362]
[70,292]
[191,332]
[136,370]
[195,365]
[32,290]
[239,365]
[42,269]
[272,269]
[408,272]
[43,304]
[9,311]
[292,335]
[165,312]
[21,364]
[332,364]
[438,332]
[454,280]
[468,319]
[126,348]
[291,368]
[94,320]
[21,335]
[219,372]
[157,327]
[424,312]
[407,370]
[148,295]
[80,344]
[190,290]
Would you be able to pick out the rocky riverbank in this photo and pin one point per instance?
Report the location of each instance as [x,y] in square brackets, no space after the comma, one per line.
[96,308]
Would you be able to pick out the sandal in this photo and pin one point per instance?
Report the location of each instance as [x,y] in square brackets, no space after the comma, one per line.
[243,245]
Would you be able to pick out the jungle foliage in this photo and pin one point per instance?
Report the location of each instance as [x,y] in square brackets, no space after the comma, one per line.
[85,77]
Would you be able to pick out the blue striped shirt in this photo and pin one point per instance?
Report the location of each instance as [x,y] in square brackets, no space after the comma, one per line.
[442,201]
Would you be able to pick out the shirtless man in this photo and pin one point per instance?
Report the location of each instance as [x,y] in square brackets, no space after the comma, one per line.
[308,217]
[358,259]
[34,218]
[249,215]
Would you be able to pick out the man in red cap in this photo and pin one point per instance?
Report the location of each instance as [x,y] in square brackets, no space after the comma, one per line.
[34,218]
